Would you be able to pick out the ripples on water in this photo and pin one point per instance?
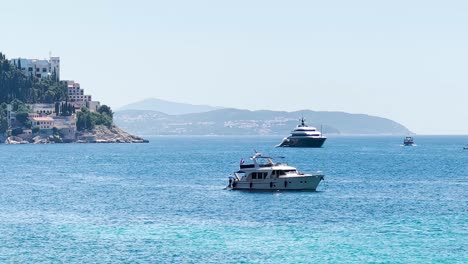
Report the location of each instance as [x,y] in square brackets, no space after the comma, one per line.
[164,202]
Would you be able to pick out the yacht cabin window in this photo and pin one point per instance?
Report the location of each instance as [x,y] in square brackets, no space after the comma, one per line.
[258,175]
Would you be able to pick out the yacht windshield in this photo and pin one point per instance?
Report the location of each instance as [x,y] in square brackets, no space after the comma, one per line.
[288,172]
[265,162]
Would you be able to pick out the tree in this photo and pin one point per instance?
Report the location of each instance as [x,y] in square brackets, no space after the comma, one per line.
[22,112]
[85,120]
[17,131]
[3,125]
[70,109]
[104,109]
[57,109]
[88,120]
[54,76]
[16,104]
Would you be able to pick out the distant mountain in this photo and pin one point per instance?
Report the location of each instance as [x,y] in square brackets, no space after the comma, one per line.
[168,107]
[245,122]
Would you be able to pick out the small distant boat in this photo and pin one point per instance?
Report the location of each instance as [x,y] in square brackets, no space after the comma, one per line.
[303,136]
[266,175]
[408,141]
[465,147]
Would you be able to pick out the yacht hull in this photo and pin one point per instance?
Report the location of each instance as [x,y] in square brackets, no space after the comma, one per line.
[303,142]
[283,183]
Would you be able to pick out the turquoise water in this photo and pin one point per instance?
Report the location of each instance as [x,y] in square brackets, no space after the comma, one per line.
[164,202]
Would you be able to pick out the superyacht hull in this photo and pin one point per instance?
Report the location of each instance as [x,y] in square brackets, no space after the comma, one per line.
[303,142]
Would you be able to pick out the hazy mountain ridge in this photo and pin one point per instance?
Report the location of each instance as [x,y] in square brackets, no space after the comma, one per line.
[245,122]
[168,107]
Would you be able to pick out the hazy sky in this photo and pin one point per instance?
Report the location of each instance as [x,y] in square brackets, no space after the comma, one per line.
[404,60]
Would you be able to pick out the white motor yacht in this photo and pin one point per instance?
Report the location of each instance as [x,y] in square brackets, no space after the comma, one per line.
[265,174]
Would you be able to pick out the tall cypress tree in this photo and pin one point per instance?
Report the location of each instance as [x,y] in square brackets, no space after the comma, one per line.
[57,109]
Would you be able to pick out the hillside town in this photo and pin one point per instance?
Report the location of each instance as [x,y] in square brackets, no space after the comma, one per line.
[74,117]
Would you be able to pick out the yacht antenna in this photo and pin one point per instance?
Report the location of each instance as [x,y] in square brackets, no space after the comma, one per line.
[302,120]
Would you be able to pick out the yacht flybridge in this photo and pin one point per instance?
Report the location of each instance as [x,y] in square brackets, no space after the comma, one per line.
[304,136]
[265,174]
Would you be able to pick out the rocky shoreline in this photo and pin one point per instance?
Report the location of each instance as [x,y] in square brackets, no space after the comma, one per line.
[100,134]
[113,134]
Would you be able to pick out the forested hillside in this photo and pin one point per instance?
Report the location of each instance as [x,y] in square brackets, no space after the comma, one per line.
[14,84]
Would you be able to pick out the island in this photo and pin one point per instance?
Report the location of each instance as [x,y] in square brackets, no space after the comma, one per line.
[36,106]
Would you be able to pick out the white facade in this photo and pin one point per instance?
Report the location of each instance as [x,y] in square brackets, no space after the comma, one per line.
[43,122]
[39,68]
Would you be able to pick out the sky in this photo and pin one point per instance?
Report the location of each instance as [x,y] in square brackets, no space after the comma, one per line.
[403,60]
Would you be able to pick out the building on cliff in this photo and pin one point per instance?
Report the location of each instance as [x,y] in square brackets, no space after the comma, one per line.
[43,122]
[39,68]
[78,98]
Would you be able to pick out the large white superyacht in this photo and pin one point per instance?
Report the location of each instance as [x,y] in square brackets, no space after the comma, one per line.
[304,136]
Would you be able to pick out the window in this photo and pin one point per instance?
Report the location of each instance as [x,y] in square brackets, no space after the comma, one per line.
[30,69]
[254,175]
[44,70]
[37,69]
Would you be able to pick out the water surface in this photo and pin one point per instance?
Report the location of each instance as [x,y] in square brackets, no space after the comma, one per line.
[164,202]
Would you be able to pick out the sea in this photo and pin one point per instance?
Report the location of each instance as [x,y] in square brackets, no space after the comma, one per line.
[166,202]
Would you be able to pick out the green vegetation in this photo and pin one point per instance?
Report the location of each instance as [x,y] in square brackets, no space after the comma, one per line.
[21,111]
[64,109]
[3,120]
[104,109]
[88,120]
[3,125]
[14,84]
[17,131]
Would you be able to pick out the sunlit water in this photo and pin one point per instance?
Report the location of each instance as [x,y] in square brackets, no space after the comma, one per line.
[164,202]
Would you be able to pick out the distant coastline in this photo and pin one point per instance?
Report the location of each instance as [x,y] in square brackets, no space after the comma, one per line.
[163,119]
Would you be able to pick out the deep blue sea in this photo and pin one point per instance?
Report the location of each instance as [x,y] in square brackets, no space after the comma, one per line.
[164,202]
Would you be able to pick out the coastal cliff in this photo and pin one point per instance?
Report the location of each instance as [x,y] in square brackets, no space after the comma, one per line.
[99,134]
[112,134]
